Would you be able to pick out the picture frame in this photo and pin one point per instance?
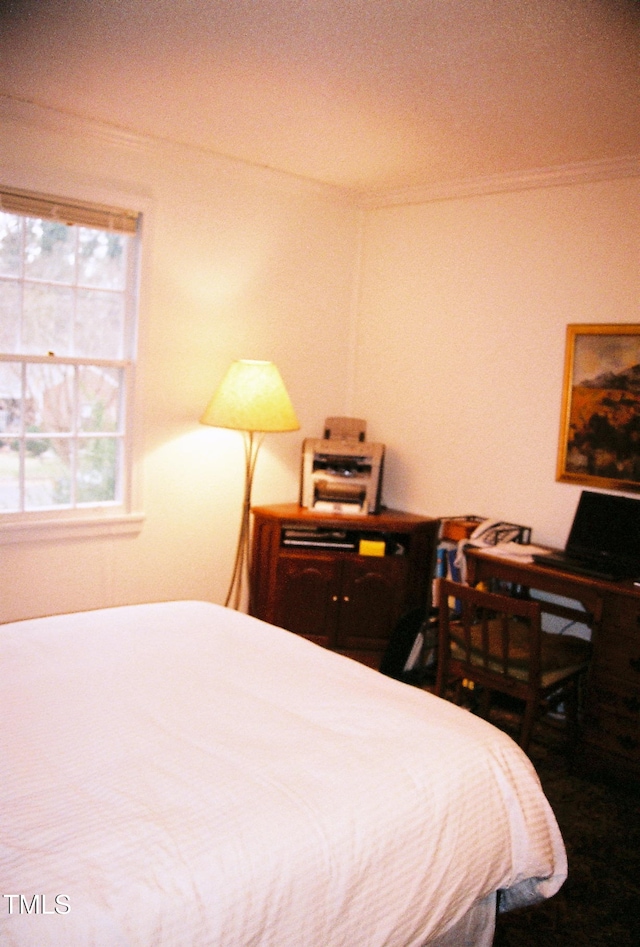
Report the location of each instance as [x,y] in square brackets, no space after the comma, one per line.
[600,423]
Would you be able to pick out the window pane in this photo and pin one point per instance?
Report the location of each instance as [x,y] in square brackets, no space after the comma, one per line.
[10,244]
[10,397]
[102,259]
[10,407]
[99,399]
[9,316]
[48,319]
[67,292]
[9,476]
[98,463]
[50,399]
[47,474]
[49,250]
[99,328]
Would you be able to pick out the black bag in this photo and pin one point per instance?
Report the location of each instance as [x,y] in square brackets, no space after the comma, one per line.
[414,629]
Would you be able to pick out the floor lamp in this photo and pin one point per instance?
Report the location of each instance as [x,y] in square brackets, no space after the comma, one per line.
[252,399]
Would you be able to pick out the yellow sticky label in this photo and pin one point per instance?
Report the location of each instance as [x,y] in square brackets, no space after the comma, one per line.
[371,547]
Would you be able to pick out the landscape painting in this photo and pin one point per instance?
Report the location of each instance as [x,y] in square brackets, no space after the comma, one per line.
[600,430]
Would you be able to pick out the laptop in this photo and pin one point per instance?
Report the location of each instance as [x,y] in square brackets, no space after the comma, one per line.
[604,540]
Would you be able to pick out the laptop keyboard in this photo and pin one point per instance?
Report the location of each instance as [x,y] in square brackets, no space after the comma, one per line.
[579,567]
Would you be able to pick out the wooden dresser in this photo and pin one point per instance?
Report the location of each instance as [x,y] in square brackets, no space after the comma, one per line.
[611,733]
[610,728]
[308,574]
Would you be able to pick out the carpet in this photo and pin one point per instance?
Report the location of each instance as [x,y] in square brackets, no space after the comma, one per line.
[599,904]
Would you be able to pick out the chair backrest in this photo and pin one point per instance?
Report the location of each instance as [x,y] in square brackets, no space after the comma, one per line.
[490,638]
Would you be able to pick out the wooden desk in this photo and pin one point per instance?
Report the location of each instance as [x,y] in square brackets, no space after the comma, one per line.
[610,728]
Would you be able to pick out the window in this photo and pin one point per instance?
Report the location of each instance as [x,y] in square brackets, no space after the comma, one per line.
[67,335]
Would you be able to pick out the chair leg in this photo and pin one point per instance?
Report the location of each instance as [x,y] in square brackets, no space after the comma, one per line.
[485,703]
[458,691]
[571,710]
[528,721]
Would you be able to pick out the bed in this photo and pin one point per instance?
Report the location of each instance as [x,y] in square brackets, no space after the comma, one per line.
[182,774]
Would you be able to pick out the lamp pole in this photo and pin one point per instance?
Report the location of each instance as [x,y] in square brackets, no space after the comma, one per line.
[242,565]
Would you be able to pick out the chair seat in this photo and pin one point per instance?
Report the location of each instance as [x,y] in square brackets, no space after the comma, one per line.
[560,655]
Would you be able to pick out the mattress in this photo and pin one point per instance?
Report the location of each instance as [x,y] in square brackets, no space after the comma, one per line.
[182,774]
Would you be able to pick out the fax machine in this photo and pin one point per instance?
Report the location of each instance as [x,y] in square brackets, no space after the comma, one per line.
[342,472]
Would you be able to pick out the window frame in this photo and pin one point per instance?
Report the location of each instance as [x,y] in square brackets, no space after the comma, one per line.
[104,517]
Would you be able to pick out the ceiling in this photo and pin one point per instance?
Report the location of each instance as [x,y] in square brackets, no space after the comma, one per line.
[369,95]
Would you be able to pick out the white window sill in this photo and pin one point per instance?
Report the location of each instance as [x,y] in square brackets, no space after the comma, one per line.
[32,531]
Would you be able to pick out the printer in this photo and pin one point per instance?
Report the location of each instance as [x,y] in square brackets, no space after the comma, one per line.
[342,472]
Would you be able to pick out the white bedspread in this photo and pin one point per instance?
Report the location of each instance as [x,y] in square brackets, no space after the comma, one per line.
[181,774]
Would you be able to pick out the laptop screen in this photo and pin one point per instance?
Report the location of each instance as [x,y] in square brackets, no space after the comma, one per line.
[606,527]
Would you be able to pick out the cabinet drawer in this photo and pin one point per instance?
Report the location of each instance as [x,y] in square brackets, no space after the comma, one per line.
[612,716]
[617,735]
[622,613]
[618,653]
[611,695]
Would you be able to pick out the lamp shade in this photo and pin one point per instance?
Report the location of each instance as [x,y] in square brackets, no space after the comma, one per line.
[251,397]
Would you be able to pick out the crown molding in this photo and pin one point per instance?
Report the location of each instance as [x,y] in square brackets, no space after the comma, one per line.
[567,174]
[32,114]
[35,115]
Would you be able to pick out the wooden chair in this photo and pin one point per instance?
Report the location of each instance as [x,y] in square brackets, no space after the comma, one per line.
[497,642]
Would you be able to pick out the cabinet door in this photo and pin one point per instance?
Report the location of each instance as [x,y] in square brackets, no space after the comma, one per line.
[372,593]
[307,596]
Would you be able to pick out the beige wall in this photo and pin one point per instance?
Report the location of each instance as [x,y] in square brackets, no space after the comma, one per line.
[238,262]
[442,324]
[461,334]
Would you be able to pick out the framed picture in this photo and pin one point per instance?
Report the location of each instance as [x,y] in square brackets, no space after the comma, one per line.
[600,429]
